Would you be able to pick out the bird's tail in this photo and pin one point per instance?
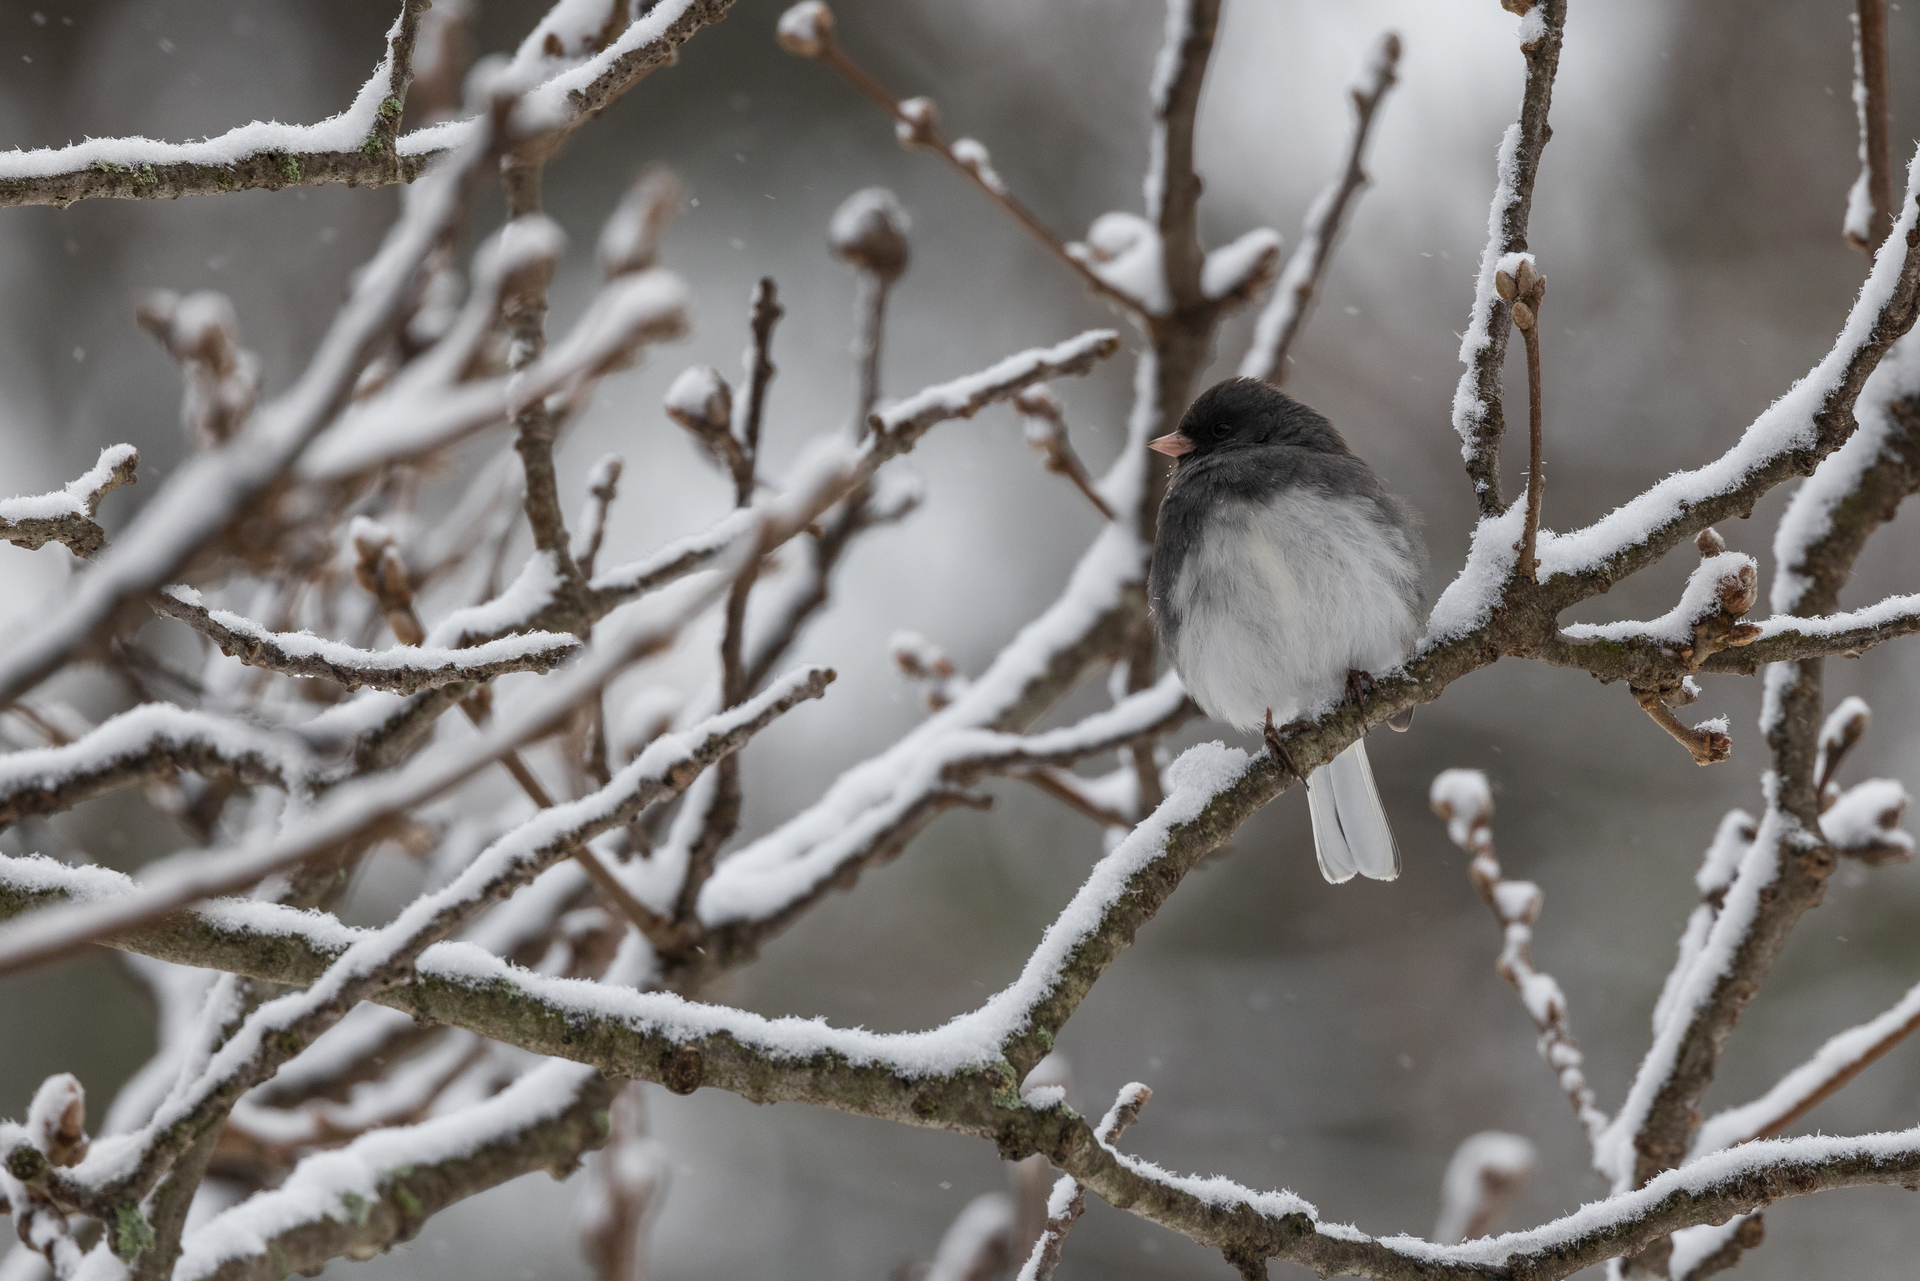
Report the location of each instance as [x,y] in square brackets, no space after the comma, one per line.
[1350,832]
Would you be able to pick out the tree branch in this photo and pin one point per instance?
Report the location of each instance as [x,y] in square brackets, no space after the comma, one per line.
[1286,313]
[1464,800]
[1478,413]
[66,515]
[403,669]
[1870,203]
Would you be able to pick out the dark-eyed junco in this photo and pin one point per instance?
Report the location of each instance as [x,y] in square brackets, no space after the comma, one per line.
[1283,573]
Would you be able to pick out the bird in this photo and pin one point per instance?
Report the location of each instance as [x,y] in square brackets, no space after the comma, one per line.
[1283,575]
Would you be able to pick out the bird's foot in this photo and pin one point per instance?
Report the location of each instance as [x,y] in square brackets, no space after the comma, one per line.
[1358,683]
[1279,748]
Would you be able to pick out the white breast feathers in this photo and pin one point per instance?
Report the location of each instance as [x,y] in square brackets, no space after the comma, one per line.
[1279,601]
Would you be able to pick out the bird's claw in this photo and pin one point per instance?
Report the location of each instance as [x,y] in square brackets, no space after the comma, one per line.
[1358,682]
[1279,748]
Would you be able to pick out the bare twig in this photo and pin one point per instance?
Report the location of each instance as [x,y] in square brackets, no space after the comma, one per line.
[1047,433]
[1293,297]
[1870,204]
[1464,800]
[603,484]
[807,30]
[1523,288]
[765,315]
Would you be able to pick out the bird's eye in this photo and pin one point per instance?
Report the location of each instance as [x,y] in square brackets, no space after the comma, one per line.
[1220,431]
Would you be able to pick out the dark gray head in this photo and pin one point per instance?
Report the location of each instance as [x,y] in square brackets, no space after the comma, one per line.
[1243,412]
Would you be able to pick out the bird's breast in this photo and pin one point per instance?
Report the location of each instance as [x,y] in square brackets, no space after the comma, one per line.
[1277,601]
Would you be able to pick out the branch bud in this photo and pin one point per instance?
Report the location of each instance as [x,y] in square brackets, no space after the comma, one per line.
[1709,542]
[806,29]
[919,123]
[57,1119]
[869,233]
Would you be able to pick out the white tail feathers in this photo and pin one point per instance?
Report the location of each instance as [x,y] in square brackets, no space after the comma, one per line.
[1350,832]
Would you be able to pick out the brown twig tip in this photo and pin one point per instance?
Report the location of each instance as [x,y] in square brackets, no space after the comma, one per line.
[1707,742]
[57,1120]
[917,123]
[1125,1111]
[806,29]
[382,574]
[1518,281]
[1047,433]
[926,665]
[202,332]
[1842,730]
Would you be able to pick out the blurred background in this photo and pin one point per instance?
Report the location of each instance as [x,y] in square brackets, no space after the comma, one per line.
[1337,1041]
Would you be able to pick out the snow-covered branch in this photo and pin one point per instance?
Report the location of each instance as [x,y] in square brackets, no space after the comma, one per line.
[363,806]
[362,146]
[402,669]
[150,742]
[199,501]
[1479,415]
[66,515]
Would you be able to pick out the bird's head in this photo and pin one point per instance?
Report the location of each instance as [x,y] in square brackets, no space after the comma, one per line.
[1244,412]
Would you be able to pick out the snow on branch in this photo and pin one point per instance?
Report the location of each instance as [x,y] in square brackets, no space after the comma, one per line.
[1843,1057]
[201,498]
[355,147]
[380,1189]
[402,669]
[1478,409]
[1487,1171]
[1172,186]
[906,422]
[1068,1200]
[123,1168]
[150,742]
[424,414]
[1807,424]
[66,515]
[361,146]
[1464,800]
[686,1045]
[361,806]
[1870,200]
[829,472]
[1286,313]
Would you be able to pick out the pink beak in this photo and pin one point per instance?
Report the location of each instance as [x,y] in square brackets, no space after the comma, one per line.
[1173,445]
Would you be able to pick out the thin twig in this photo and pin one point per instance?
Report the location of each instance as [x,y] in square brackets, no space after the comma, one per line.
[916,124]
[1478,413]
[1069,1199]
[1293,297]
[1464,800]
[1870,205]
